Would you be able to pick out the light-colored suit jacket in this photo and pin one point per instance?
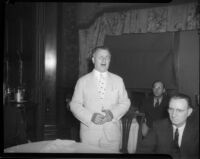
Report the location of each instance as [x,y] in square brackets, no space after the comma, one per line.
[86,101]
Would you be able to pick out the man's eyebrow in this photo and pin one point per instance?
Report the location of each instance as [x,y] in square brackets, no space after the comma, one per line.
[176,109]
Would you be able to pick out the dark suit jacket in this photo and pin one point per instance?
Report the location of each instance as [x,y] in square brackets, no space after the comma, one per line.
[194,117]
[14,127]
[151,113]
[159,140]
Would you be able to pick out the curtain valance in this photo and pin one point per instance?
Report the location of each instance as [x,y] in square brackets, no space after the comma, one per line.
[159,19]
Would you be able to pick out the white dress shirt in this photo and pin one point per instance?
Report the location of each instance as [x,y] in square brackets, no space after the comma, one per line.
[97,74]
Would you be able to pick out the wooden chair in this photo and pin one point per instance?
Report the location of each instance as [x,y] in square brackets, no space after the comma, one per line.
[126,124]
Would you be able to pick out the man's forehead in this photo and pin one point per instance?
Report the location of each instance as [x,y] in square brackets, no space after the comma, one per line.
[101,52]
[158,84]
[177,102]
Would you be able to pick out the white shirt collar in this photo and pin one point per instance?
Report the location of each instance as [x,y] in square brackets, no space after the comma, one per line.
[97,74]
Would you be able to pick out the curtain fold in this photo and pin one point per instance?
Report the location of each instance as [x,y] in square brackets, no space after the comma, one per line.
[154,20]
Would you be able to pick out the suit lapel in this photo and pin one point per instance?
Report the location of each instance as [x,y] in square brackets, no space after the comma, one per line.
[169,132]
[108,85]
[151,106]
[164,101]
[169,137]
[186,136]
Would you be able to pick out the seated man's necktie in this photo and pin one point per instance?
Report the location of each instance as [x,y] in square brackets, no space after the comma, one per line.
[176,148]
[157,103]
[176,136]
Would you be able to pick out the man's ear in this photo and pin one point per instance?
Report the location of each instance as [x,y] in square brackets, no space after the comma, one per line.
[164,90]
[93,59]
[190,110]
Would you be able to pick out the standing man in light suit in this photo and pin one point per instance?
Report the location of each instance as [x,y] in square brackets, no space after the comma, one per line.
[99,101]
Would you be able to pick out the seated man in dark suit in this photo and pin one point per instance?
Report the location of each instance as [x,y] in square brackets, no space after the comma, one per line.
[155,106]
[14,127]
[175,136]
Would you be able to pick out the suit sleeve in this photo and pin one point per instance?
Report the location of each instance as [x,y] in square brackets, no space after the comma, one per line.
[77,105]
[123,102]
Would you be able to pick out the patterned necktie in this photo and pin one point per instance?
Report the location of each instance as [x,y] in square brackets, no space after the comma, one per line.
[101,86]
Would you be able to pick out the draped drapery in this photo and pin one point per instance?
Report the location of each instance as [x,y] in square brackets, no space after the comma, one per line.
[143,58]
[154,20]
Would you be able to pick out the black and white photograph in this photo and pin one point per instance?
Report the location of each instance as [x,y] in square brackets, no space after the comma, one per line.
[106,79]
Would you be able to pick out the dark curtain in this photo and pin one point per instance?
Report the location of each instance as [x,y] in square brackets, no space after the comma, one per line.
[142,58]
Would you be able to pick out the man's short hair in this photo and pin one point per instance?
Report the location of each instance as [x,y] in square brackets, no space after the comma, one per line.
[102,48]
[156,81]
[182,96]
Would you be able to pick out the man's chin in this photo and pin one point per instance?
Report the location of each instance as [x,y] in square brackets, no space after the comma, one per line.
[103,70]
[175,122]
[157,95]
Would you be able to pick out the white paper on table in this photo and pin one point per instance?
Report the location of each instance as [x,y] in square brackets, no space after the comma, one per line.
[65,146]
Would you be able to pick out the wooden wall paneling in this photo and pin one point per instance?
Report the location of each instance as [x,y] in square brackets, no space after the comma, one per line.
[67,68]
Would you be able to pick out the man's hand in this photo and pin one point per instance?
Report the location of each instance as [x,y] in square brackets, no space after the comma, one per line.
[109,115]
[98,118]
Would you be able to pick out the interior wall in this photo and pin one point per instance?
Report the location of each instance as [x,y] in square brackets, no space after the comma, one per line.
[144,57]
[67,68]
[188,63]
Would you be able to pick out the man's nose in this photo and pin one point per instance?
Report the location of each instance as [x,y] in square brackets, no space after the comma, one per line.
[104,60]
[174,113]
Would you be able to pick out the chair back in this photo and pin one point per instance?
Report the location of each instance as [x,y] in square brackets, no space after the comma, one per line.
[127,121]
